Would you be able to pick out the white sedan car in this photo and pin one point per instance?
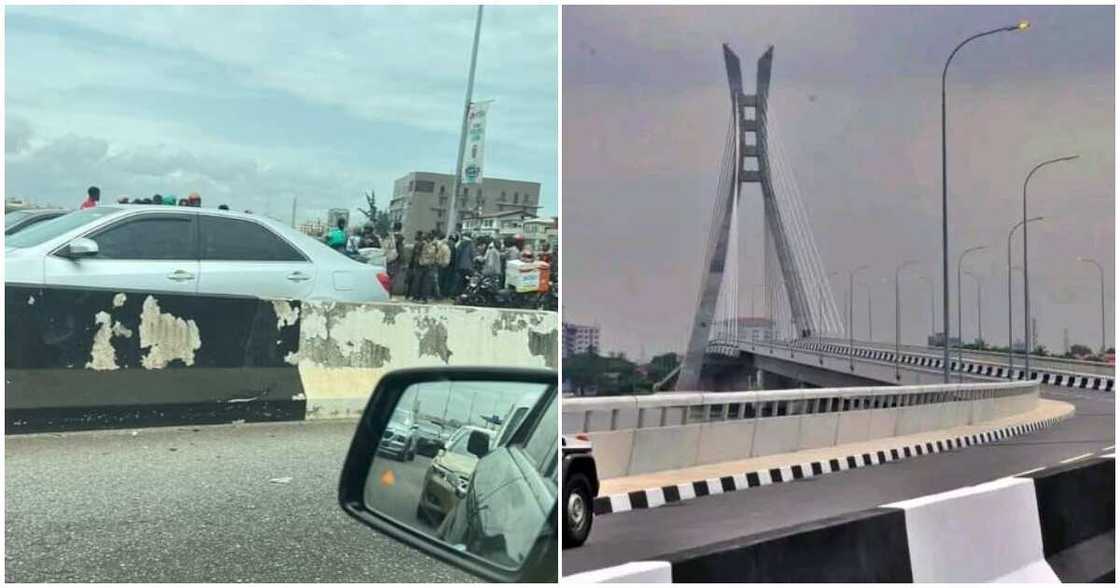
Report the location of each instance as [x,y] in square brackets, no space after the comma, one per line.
[185,250]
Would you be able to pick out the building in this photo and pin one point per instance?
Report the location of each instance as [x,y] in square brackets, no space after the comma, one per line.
[421,200]
[539,231]
[498,224]
[580,339]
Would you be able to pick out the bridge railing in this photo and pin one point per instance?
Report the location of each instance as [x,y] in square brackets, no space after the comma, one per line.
[642,434]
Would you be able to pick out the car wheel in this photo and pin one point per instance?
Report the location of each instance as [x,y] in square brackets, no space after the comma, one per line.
[578,511]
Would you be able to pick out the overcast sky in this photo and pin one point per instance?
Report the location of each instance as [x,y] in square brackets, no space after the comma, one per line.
[252,106]
[855,97]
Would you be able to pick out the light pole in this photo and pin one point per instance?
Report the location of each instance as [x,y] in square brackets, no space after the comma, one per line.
[960,333]
[979,308]
[1026,268]
[1022,26]
[1101,270]
[851,331]
[1010,340]
[897,319]
[463,129]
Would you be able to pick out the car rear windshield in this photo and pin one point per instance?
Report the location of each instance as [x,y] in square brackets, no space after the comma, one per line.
[48,230]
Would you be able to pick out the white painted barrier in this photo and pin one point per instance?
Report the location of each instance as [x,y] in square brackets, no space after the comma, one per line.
[345,348]
[639,572]
[985,533]
[644,434]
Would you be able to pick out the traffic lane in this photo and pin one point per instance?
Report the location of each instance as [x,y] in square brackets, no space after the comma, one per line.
[400,498]
[194,505]
[649,534]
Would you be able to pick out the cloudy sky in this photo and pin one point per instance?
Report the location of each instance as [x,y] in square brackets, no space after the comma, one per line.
[855,98]
[255,106]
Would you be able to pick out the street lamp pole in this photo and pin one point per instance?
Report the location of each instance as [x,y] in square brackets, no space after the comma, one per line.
[1022,26]
[851,330]
[463,129]
[1101,270]
[960,333]
[1026,268]
[932,304]
[1010,339]
[897,320]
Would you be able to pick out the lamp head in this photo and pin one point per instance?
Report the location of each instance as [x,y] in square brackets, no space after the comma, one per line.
[1023,25]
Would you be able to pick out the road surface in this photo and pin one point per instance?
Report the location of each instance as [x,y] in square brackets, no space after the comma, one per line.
[194,504]
[647,534]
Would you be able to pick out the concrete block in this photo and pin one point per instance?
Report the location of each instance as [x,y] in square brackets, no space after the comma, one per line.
[853,426]
[817,430]
[776,435]
[725,441]
[612,452]
[665,448]
[883,424]
[985,533]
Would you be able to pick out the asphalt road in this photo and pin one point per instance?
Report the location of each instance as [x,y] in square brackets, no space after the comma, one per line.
[649,534]
[187,504]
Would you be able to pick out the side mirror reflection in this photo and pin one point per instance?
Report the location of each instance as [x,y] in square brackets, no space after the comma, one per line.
[469,464]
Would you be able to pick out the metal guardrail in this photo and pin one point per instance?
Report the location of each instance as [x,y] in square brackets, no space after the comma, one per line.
[685,408]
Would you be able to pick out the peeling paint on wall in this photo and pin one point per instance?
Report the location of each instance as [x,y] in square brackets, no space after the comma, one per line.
[102,355]
[432,336]
[286,314]
[119,330]
[168,337]
[346,348]
[30,300]
[118,300]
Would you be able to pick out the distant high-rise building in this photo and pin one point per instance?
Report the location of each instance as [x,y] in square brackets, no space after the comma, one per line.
[422,200]
[580,339]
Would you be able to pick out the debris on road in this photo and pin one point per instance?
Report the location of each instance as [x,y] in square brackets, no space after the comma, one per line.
[280,480]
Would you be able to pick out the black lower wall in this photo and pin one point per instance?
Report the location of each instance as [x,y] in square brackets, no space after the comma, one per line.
[1077,513]
[243,368]
[866,546]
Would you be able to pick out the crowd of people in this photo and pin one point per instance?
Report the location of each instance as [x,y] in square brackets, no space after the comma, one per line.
[432,266]
[93,198]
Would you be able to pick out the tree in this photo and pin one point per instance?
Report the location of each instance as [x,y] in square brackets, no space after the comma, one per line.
[379,218]
[661,366]
[1079,350]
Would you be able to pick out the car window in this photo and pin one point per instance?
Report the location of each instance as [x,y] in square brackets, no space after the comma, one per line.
[43,232]
[154,236]
[231,239]
[541,444]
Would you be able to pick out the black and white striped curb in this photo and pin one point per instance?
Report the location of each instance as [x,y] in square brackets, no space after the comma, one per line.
[1048,525]
[1065,379]
[655,497]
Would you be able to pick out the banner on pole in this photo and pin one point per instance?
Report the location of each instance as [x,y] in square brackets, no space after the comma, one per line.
[476,143]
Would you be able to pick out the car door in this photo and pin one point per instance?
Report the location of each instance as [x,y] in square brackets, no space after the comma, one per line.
[240,257]
[145,252]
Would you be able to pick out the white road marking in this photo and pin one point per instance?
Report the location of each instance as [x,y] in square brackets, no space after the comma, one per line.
[1027,472]
[1076,458]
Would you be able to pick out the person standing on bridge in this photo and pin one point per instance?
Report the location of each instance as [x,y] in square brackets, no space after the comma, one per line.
[463,264]
[336,237]
[93,196]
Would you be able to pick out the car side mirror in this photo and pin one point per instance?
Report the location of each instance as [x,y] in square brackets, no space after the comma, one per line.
[489,513]
[478,444]
[82,247]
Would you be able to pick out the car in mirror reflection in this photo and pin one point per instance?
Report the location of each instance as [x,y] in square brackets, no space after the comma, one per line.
[486,501]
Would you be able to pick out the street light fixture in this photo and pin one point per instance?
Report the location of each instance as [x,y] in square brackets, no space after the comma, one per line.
[897,319]
[1010,339]
[1020,26]
[960,333]
[1026,268]
[1101,270]
[851,333]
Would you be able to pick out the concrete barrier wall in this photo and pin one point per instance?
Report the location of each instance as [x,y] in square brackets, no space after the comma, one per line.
[89,358]
[346,348]
[726,426]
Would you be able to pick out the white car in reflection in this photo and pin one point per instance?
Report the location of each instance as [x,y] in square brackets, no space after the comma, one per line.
[182,250]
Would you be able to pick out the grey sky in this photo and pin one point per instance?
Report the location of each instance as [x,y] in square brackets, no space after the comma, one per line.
[252,106]
[855,91]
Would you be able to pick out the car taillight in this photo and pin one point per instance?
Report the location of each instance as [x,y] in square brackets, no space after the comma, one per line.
[385,281]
